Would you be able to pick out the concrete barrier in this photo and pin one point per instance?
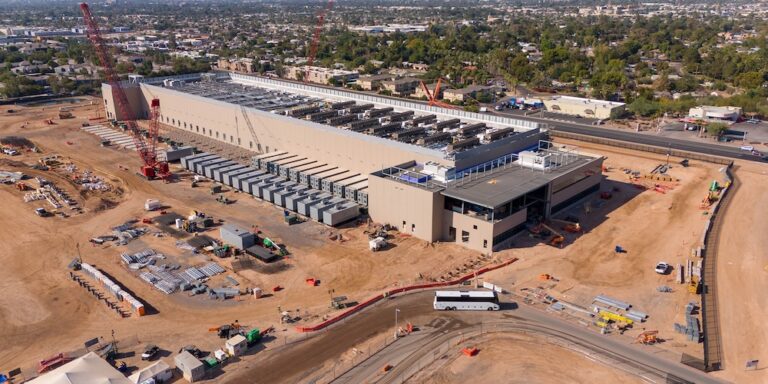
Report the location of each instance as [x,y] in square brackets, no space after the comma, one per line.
[395,291]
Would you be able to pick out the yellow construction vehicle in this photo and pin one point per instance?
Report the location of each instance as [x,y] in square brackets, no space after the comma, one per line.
[615,317]
[693,285]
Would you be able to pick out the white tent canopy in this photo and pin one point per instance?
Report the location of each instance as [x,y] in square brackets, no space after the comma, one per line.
[159,368]
[89,369]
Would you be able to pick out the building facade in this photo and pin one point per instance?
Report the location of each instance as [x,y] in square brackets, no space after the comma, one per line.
[578,106]
[438,174]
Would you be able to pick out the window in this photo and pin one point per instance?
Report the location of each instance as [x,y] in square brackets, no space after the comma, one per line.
[474,227]
[464,236]
[185,125]
[238,141]
[485,243]
[250,144]
[413,227]
[217,134]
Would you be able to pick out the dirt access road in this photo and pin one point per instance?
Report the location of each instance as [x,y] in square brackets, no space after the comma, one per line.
[742,277]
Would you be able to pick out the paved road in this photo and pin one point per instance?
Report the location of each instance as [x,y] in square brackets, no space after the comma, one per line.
[658,141]
[300,362]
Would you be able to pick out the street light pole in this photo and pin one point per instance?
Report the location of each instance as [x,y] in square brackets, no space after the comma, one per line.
[396,312]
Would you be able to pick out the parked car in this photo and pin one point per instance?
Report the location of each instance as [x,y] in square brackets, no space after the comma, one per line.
[42,212]
[193,350]
[754,121]
[150,351]
[662,268]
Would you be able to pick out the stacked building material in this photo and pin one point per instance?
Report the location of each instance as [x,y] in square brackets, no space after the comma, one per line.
[691,329]
[114,288]
[612,302]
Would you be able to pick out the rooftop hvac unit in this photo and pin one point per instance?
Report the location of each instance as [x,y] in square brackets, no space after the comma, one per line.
[409,134]
[535,160]
[423,119]
[361,125]
[469,130]
[436,138]
[359,108]
[447,123]
[342,104]
[400,116]
[498,134]
[385,129]
[378,112]
[463,144]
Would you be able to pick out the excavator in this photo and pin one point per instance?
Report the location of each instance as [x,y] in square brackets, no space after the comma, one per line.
[569,226]
[648,337]
[557,238]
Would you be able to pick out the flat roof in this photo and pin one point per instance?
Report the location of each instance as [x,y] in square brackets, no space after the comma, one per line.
[501,186]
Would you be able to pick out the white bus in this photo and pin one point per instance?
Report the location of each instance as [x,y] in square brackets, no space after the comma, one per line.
[466,301]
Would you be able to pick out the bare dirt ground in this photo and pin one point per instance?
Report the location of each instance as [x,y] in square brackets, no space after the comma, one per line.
[521,359]
[651,226]
[45,313]
[742,277]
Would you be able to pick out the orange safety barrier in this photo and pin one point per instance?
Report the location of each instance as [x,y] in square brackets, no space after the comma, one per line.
[380,296]
[469,351]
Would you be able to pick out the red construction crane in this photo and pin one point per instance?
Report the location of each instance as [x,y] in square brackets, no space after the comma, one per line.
[316,37]
[432,96]
[152,168]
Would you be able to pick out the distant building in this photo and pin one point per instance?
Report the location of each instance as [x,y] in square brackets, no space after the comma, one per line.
[372,82]
[320,75]
[244,65]
[463,94]
[400,87]
[579,106]
[706,112]
[420,91]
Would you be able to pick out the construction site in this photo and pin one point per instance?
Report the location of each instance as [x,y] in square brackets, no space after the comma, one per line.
[269,231]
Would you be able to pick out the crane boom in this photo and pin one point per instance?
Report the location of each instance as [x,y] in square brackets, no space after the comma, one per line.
[146,149]
[316,37]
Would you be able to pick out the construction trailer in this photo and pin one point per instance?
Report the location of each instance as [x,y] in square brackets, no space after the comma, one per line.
[339,187]
[236,346]
[316,210]
[328,183]
[316,180]
[294,172]
[269,192]
[218,174]
[236,236]
[280,197]
[237,180]
[191,368]
[285,169]
[340,213]
[259,161]
[208,170]
[302,206]
[228,178]
[305,177]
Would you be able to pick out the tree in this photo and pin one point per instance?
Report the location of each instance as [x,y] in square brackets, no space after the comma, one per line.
[716,129]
